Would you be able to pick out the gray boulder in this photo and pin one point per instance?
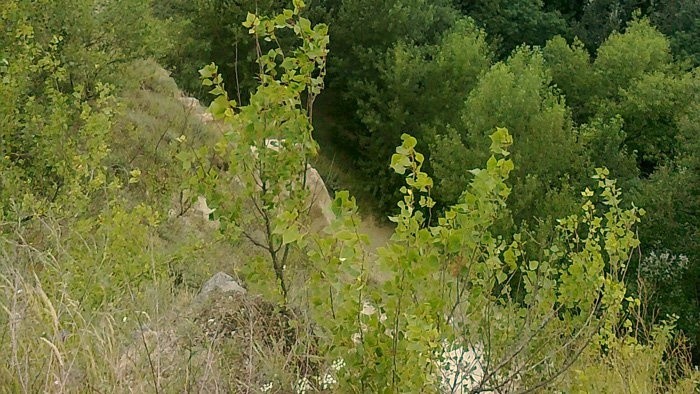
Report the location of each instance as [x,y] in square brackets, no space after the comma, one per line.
[320,204]
[221,282]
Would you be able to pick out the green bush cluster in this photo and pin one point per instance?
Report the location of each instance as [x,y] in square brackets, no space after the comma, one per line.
[575,92]
[86,154]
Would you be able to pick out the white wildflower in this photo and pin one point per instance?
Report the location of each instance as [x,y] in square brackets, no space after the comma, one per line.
[303,386]
[338,364]
[328,382]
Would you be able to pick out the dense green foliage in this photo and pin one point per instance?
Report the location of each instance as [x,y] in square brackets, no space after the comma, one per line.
[63,106]
[210,31]
[619,94]
[512,298]
[512,23]
[513,252]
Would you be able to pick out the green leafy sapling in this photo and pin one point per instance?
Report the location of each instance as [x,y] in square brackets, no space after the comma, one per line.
[269,144]
[458,307]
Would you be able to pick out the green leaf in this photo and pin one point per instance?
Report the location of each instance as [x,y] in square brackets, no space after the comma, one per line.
[291,234]
[399,163]
[500,141]
[409,142]
[510,258]
[501,277]
[251,21]
[217,91]
[218,107]
[208,71]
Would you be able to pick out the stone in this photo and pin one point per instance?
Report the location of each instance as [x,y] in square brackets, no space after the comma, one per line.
[206,117]
[200,207]
[221,282]
[190,102]
[320,200]
[319,204]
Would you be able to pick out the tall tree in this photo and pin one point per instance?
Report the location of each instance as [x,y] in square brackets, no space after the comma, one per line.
[672,196]
[211,31]
[423,88]
[600,18]
[515,94]
[638,80]
[512,23]
[572,72]
[680,20]
[364,30]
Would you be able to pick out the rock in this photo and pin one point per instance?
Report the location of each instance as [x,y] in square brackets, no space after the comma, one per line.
[320,208]
[270,143]
[221,282]
[206,117]
[196,216]
[201,208]
[319,203]
[193,105]
[190,103]
[461,369]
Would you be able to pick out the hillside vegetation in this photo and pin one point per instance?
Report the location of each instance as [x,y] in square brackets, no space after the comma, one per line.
[539,171]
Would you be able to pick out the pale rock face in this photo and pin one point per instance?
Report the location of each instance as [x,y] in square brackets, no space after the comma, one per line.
[201,211]
[206,117]
[196,216]
[190,103]
[318,205]
[193,106]
[320,200]
[461,369]
[201,208]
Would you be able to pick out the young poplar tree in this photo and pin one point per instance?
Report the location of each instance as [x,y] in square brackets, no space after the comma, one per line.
[463,310]
[268,144]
